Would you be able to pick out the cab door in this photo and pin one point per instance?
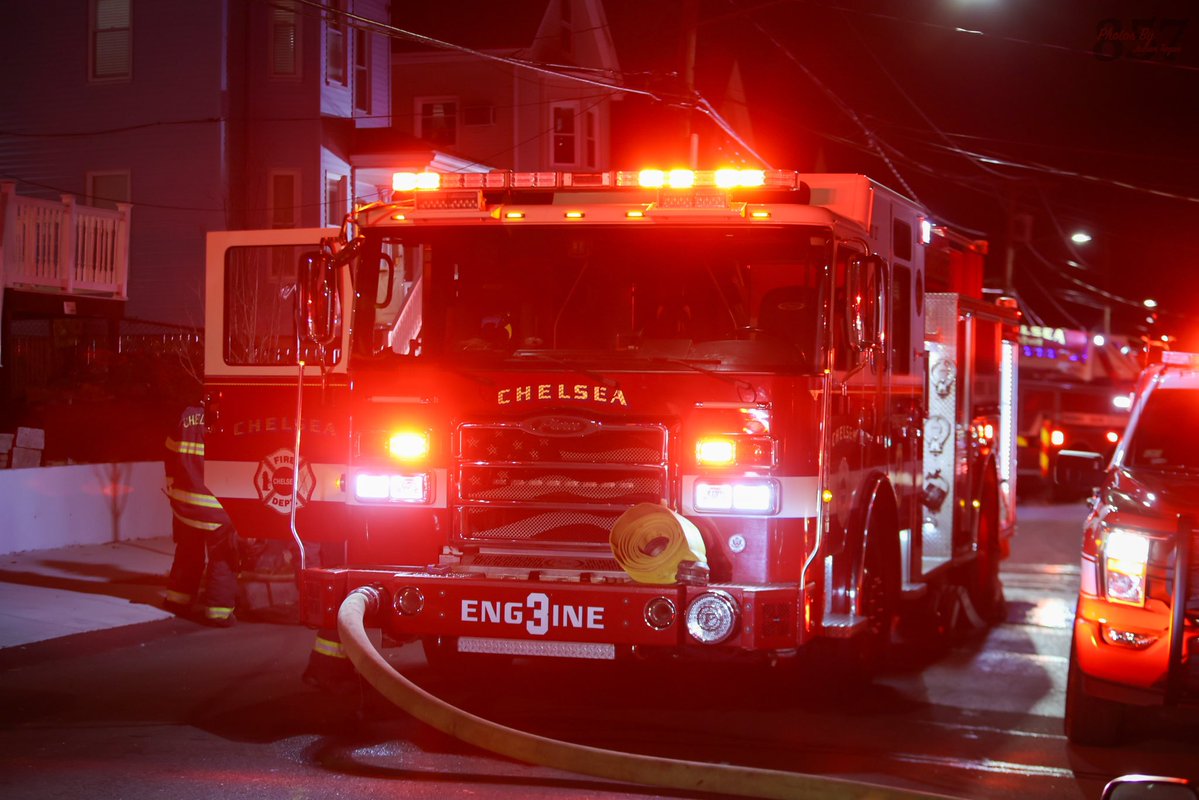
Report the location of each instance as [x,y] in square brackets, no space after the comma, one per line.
[252,378]
[854,446]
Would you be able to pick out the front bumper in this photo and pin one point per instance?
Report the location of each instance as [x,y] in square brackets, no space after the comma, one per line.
[1136,676]
[606,617]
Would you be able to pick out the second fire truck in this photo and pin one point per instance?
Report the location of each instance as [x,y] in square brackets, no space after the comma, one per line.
[606,415]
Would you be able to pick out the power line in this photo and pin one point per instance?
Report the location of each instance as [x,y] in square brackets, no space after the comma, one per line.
[916,106]
[953,29]
[1053,302]
[697,102]
[871,138]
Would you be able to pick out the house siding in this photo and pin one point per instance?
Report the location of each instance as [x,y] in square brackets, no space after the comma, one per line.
[162,126]
[199,126]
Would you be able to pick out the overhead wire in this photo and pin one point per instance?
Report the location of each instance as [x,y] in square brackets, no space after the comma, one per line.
[936,129]
[1049,297]
[880,146]
[1110,297]
[841,105]
[1162,63]
[696,102]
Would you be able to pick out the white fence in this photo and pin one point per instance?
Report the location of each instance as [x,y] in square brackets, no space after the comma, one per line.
[49,507]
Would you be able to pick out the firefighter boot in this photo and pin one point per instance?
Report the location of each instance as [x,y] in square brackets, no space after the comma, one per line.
[178,603]
[328,667]
[217,616]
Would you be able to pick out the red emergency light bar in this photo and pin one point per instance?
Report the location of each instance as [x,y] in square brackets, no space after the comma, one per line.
[649,178]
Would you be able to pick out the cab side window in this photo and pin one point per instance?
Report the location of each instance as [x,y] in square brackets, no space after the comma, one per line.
[260,307]
[901,319]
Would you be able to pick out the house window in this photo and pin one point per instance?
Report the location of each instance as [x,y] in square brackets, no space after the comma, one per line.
[106,189]
[111,40]
[335,199]
[282,199]
[589,138]
[260,320]
[362,71]
[335,42]
[285,40]
[438,120]
[564,146]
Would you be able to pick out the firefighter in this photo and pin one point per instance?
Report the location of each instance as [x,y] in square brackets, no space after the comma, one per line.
[329,668]
[203,580]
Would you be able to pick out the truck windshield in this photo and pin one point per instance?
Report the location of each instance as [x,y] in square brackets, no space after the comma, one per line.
[1165,436]
[717,298]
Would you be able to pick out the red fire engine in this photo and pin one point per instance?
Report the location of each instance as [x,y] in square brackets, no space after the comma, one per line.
[614,414]
[1075,392]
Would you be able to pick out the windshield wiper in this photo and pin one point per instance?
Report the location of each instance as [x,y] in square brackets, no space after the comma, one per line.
[537,354]
[742,385]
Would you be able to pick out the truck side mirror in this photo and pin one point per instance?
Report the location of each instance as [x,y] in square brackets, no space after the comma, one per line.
[1079,471]
[865,306]
[319,298]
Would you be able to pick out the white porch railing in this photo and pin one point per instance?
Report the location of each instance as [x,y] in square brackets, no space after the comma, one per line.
[63,246]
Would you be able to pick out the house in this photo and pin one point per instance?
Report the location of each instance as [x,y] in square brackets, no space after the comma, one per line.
[148,123]
[520,86]
[164,119]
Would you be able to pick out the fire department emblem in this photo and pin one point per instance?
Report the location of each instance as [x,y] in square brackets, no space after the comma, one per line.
[273,481]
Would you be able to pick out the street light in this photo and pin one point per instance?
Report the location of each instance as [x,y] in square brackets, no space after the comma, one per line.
[1149,302]
[1080,237]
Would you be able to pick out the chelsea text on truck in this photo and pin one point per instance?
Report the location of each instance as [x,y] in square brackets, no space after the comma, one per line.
[705,414]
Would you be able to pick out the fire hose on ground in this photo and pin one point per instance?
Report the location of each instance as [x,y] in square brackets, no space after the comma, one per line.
[530,748]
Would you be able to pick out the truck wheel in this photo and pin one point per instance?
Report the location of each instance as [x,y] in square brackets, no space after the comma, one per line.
[865,654]
[1090,720]
[984,586]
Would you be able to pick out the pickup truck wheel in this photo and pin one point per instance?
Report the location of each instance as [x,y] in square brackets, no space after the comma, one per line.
[1090,720]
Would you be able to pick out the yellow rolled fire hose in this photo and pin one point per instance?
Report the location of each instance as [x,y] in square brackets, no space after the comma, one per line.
[651,542]
[693,776]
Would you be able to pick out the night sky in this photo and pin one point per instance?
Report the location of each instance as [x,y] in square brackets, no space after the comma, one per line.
[1061,115]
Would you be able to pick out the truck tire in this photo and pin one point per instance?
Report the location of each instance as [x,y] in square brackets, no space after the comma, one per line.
[1090,720]
[861,657]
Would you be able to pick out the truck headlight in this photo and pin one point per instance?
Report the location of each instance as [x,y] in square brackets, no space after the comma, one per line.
[711,617]
[746,495]
[1125,562]
[392,488]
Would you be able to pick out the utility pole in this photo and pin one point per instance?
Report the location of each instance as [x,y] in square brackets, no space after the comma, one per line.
[1009,256]
[1019,231]
[690,19]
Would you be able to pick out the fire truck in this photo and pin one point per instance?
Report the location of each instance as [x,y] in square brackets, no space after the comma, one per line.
[689,414]
[1075,392]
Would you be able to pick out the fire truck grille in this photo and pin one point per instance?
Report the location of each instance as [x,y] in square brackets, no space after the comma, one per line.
[540,485]
[560,480]
[559,527]
[566,440]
